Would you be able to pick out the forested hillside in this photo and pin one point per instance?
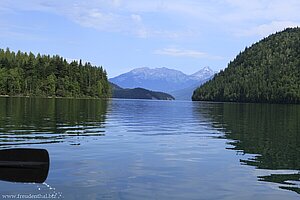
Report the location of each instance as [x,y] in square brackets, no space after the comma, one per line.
[268,71]
[43,75]
[138,93]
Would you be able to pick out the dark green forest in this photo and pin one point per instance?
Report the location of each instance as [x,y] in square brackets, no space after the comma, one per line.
[266,72]
[26,74]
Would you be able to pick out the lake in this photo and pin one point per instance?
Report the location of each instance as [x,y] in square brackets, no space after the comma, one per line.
[143,149]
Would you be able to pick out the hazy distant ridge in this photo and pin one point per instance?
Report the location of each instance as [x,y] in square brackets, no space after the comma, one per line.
[162,79]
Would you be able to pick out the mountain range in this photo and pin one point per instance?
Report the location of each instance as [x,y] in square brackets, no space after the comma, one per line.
[174,82]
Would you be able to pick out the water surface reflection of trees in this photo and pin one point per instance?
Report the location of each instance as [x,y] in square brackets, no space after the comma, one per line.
[49,120]
[270,132]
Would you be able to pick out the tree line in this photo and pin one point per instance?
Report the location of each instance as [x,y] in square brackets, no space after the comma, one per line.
[267,72]
[26,74]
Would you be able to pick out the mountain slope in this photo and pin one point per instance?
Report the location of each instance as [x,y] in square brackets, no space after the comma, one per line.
[138,93]
[187,93]
[268,71]
[160,79]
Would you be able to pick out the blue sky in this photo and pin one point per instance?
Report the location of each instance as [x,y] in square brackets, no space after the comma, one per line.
[124,34]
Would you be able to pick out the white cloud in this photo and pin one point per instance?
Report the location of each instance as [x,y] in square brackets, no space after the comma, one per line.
[267,29]
[180,53]
[184,53]
[136,18]
[239,17]
[240,10]
[94,18]
[116,2]
[260,17]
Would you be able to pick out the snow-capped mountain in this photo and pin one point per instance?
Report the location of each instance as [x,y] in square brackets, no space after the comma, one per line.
[203,73]
[161,79]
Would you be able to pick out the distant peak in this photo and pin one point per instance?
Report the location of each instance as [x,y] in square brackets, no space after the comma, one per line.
[164,68]
[154,70]
[161,79]
[203,70]
[203,73]
[141,69]
[207,68]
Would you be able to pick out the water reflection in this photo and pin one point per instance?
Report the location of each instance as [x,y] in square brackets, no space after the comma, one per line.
[269,132]
[48,120]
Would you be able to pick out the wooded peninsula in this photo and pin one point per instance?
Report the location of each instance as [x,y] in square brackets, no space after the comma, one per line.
[26,74]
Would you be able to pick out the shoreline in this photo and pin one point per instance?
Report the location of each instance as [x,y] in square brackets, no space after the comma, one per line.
[52,97]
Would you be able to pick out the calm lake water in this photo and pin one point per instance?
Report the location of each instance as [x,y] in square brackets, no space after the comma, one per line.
[139,149]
